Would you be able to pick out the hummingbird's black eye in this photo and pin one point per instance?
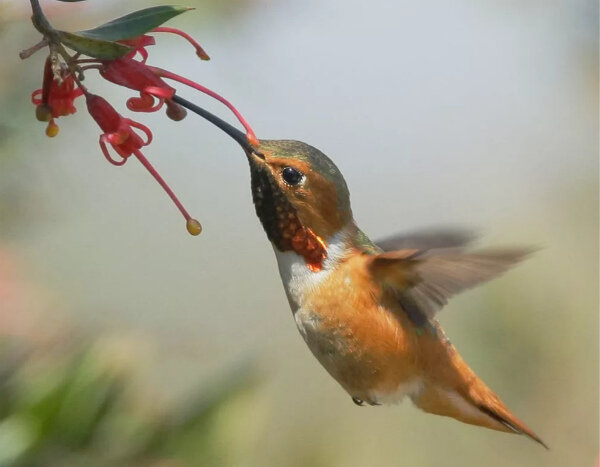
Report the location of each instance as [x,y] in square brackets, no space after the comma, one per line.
[291,176]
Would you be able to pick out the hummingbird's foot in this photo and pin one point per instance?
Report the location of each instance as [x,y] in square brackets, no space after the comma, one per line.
[361,402]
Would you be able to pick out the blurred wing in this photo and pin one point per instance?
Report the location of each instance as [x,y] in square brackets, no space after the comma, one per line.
[423,284]
[427,240]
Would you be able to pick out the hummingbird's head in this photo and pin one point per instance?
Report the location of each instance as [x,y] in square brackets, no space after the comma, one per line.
[296,188]
[300,195]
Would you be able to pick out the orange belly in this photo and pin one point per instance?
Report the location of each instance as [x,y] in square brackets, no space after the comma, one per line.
[361,342]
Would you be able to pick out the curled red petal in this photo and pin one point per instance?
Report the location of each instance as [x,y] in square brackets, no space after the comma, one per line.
[36,97]
[156,107]
[103,141]
[160,92]
[140,104]
[143,128]
[144,54]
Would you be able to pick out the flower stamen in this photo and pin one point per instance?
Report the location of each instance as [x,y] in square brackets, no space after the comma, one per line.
[119,133]
[150,168]
[199,50]
[250,136]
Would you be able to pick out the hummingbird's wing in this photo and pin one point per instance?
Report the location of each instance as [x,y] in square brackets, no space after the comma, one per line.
[427,240]
[423,282]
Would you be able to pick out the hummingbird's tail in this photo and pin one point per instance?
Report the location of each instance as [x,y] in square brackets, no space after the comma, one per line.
[464,396]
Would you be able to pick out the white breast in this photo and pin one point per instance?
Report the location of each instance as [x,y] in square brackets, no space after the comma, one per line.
[298,279]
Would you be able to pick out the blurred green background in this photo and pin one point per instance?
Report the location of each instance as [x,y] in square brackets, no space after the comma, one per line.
[124,341]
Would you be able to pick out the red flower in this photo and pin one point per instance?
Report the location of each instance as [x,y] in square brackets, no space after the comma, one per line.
[148,80]
[124,136]
[119,133]
[55,99]
[136,75]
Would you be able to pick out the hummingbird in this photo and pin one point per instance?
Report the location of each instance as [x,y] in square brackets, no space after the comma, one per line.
[367,310]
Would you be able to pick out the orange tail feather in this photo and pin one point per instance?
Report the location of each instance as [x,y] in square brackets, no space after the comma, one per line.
[477,406]
[454,390]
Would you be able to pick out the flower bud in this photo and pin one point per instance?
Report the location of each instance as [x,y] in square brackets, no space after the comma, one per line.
[43,112]
[174,111]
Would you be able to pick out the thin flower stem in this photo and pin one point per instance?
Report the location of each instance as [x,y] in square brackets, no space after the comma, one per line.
[167,74]
[162,183]
[40,22]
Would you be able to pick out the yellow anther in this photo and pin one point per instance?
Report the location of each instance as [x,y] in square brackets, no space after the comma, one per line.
[193,227]
[51,129]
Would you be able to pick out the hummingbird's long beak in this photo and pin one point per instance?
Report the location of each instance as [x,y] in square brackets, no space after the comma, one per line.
[222,124]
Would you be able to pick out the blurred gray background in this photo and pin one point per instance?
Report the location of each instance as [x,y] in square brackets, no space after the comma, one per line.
[481,115]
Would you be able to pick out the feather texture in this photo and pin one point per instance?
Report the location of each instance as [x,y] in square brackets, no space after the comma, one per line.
[424,282]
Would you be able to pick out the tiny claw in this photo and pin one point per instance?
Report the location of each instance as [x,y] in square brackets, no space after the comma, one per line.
[51,129]
[193,227]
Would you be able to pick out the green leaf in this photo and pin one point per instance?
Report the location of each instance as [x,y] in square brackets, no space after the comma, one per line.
[104,50]
[134,24]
